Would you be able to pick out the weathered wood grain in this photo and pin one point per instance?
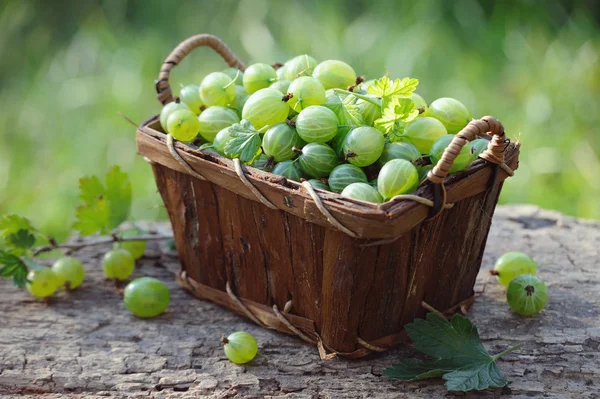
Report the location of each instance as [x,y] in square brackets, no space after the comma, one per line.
[87,345]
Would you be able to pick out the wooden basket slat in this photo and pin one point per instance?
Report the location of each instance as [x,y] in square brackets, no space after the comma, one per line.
[274,236]
[306,248]
[242,249]
[209,250]
[346,290]
[174,189]
[346,275]
[388,220]
[383,307]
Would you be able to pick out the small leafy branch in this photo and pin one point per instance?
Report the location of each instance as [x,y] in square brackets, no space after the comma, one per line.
[105,206]
[392,100]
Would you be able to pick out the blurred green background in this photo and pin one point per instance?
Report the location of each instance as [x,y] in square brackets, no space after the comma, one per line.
[69,67]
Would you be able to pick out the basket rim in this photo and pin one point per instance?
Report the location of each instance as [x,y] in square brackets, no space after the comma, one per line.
[149,134]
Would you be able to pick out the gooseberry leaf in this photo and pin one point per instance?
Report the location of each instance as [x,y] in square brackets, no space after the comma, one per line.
[386,89]
[12,266]
[16,233]
[93,217]
[458,356]
[11,224]
[90,188]
[104,206]
[396,115]
[20,241]
[118,195]
[245,142]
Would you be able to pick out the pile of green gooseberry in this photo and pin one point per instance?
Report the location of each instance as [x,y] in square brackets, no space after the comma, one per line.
[301,110]
[144,297]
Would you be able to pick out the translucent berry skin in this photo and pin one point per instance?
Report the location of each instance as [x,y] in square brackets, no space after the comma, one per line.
[289,170]
[68,271]
[317,160]
[363,146]
[451,112]
[217,89]
[306,91]
[398,176]
[240,347]
[335,74]
[279,141]
[146,297]
[42,282]
[513,264]
[419,101]
[241,96]
[281,73]
[301,65]
[462,161]
[258,76]
[399,150]
[232,73]
[190,96]
[317,124]
[478,146]
[423,132]
[118,264]
[363,192]
[135,248]
[266,107]
[423,171]
[316,183]
[183,125]
[281,85]
[526,294]
[221,140]
[262,163]
[167,110]
[343,175]
[215,119]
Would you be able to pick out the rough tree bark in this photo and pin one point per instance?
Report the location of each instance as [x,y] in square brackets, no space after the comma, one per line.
[86,344]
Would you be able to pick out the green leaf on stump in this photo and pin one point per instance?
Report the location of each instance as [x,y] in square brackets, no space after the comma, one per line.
[458,356]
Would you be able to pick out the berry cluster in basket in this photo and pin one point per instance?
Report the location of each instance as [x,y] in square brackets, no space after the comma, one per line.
[368,140]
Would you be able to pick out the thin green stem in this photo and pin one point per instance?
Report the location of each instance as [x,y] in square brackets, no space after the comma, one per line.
[368,99]
[100,241]
[506,352]
[233,81]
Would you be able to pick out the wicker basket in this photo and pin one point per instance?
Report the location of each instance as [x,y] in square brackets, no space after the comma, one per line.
[342,274]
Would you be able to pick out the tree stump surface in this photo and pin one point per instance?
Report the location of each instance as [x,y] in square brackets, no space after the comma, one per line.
[85,344]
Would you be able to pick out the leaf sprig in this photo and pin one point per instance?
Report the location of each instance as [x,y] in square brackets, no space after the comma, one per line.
[392,98]
[456,352]
[105,206]
[388,89]
[18,236]
[396,115]
[245,142]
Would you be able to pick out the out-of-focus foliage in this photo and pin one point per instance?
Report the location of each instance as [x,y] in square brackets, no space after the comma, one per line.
[68,67]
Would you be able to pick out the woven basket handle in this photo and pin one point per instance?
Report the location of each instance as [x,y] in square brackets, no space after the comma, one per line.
[163,88]
[477,127]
